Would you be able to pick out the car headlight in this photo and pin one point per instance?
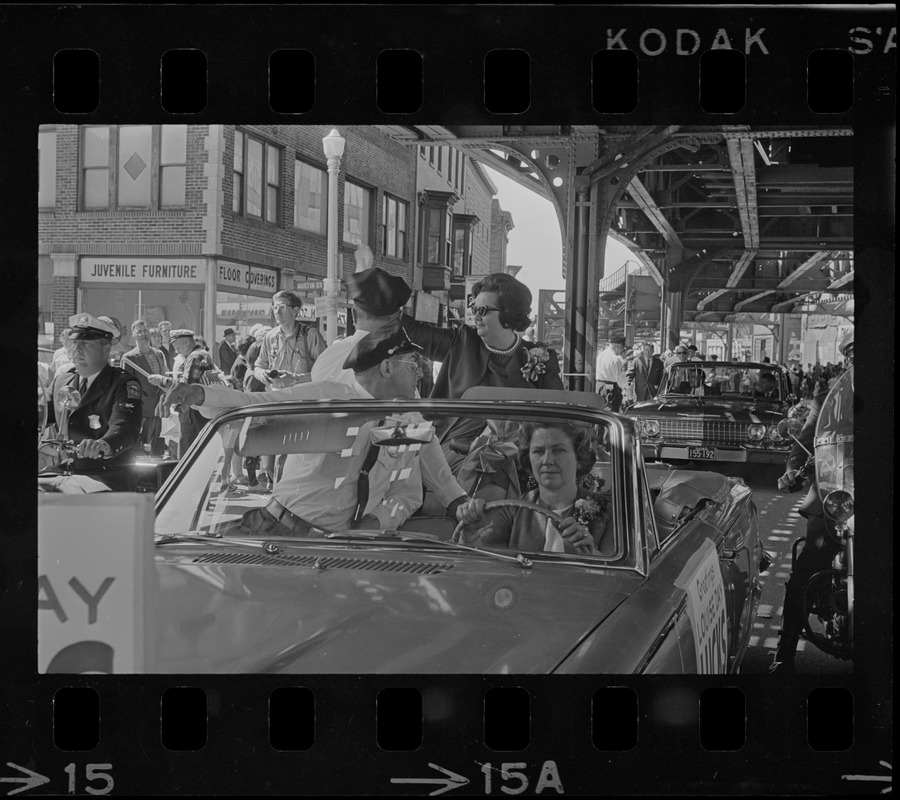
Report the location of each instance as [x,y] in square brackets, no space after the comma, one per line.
[756,432]
[650,428]
[774,435]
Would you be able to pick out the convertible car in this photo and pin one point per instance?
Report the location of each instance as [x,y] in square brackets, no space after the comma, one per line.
[672,586]
[713,411]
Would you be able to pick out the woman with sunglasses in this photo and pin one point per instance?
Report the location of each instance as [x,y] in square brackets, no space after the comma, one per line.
[491,352]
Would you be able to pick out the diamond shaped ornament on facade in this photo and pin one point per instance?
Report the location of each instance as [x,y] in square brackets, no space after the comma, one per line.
[135,166]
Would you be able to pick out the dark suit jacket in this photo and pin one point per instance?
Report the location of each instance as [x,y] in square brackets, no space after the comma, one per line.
[149,393]
[114,399]
[169,353]
[647,377]
[465,359]
[227,356]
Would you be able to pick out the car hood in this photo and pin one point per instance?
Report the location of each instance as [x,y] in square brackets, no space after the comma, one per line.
[371,610]
[737,410]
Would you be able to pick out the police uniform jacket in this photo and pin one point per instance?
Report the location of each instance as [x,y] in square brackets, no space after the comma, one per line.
[465,360]
[109,410]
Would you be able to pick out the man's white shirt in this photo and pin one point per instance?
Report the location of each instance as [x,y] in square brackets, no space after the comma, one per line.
[611,367]
[313,485]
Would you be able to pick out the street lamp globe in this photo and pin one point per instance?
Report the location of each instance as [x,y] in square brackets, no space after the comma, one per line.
[333,144]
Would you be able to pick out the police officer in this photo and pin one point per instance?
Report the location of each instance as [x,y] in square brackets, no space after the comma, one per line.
[105,424]
[819,548]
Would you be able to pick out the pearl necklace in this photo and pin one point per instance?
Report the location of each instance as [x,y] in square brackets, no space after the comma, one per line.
[498,352]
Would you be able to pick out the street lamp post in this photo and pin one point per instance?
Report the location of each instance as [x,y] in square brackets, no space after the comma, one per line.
[333,144]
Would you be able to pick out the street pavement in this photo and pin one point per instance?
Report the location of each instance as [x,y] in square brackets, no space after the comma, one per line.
[779,526]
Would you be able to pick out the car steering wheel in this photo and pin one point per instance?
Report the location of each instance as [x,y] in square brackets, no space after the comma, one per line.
[513,502]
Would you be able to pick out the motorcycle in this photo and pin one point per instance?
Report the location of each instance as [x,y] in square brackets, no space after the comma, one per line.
[828,594]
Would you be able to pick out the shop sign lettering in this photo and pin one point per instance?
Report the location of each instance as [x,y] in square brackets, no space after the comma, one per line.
[142,270]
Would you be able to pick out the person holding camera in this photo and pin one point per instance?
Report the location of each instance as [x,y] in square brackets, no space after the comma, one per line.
[290,349]
[286,357]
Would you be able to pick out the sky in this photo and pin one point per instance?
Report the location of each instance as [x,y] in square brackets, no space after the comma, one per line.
[535,242]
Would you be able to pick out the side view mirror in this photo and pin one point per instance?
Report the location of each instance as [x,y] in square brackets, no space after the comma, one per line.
[402,433]
[789,428]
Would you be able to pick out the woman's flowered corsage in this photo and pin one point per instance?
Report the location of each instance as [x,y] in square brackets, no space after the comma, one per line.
[594,503]
[536,363]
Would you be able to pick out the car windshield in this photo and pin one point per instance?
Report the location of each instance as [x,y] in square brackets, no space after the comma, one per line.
[710,378]
[414,462]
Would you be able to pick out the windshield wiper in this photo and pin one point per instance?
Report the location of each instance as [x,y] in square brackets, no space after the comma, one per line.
[404,536]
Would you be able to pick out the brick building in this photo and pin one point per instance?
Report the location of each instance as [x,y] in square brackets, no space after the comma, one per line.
[201,224]
[457,204]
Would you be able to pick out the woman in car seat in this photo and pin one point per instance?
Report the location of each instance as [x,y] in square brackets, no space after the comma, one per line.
[559,456]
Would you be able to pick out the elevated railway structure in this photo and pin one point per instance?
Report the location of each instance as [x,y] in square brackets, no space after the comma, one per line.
[728,222]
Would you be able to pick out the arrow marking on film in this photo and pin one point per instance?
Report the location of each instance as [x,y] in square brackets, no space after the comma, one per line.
[452,781]
[31,780]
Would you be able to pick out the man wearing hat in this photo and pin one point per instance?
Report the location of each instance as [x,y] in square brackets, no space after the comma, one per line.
[227,351]
[378,298]
[324,490]
[819,548]
[193,364]
[291,348]
[105,406]
[612,371]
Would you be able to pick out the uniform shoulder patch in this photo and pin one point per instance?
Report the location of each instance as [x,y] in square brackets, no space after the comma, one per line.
[133,388]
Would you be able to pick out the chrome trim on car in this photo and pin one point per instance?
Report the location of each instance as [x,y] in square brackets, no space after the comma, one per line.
[323,562]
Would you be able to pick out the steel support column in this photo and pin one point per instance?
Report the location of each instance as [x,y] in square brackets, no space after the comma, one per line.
[578,367]
[673,297]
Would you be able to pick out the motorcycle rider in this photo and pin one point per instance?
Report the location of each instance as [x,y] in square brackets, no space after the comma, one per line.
[820,547]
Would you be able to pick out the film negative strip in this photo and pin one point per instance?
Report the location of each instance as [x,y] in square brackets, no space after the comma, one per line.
[403,666]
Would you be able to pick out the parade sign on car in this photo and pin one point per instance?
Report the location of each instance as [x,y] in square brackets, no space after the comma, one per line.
[95,554]
[701,578]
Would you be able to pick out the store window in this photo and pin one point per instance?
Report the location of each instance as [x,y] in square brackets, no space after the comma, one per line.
[357,214]
[120,162]
[309,197]
[47,168]
[257,178]
[394,226]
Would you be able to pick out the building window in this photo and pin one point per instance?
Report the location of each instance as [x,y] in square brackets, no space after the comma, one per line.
[422,150]
[172,165]
[257,178]
[133,154]
[95,161]
[47,168]
[464,226]
[431,156]
[440,160]
[357,213]
[309,197]
[237,199]
[395,214]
